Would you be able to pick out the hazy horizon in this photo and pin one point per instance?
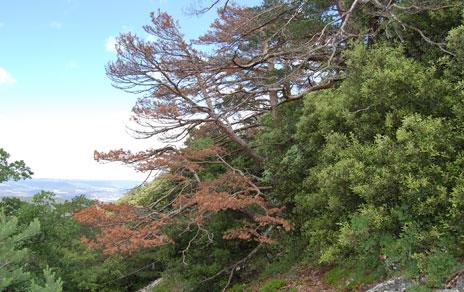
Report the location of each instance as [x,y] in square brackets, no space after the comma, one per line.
[66,189]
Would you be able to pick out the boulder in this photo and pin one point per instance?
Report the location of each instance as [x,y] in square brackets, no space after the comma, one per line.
[399,284]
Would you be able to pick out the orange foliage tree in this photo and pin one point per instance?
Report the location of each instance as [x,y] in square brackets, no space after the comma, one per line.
[256,60]
[249,63]
[125,228]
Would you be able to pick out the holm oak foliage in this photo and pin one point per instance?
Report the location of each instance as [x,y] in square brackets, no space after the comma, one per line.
[250,63]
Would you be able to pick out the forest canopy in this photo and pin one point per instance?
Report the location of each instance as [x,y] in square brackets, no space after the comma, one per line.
[318,133]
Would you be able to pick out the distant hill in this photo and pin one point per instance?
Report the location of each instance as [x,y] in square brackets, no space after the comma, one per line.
[103,190]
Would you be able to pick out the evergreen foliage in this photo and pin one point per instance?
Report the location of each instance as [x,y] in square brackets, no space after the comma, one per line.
[363,174]
[12,255]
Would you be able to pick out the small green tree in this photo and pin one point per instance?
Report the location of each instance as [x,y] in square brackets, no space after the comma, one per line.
[12,256]
[15,170]
[51,284]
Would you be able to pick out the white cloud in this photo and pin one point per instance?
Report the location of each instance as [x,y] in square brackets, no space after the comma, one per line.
[6,78]
[60,142]
[156,75]
[150,38]
[111,44]
[56,25]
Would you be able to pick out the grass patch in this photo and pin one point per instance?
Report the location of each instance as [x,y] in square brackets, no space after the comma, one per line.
[418,288]
[351,277]
[272,285]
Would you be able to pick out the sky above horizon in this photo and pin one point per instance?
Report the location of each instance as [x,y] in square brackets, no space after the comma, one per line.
[56,104]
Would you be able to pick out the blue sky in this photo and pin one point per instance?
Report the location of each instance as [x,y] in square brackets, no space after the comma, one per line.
[56,103]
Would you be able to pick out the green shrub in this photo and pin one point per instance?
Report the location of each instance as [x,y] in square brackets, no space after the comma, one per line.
[239,288]
[439,266]
[376,168]
[171,283]
[272,285]
[352,275]
[418,288]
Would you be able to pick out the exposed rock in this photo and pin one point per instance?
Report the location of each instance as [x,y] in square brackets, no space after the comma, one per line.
[399,284]
[152,285]
[455,283]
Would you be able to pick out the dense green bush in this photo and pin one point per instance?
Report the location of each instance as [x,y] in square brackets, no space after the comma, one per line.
[370,173]
[381,157]
[57,246]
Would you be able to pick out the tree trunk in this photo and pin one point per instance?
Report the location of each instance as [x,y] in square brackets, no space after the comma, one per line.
[240,142]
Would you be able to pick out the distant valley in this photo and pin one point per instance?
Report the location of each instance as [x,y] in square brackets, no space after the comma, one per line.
[65,189]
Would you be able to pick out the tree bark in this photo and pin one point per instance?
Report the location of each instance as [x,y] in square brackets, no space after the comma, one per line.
[241,143]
